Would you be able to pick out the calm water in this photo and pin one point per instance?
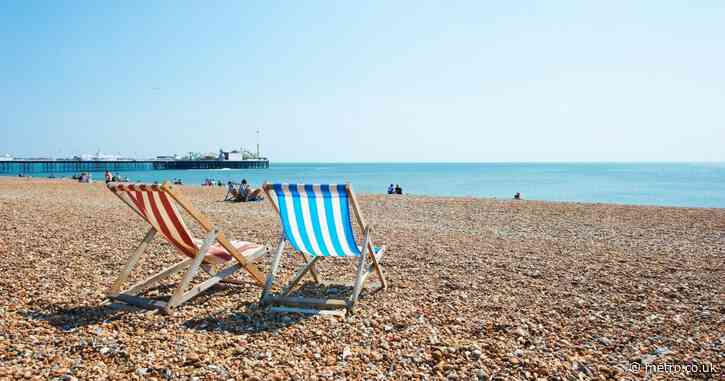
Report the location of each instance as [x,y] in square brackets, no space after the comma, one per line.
[673,184]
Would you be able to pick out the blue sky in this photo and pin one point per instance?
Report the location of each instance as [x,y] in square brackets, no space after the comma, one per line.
[374,81]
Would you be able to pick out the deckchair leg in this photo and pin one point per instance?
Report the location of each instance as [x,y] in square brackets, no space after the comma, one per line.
[272,271]
[209,270]
[313,269]
[310,266]
[116,287]
[379,270]
[360,270]
[161,275]
[176,299]
[196,290]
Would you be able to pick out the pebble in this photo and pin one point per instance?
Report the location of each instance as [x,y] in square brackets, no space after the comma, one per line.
[346,353]
[661,351]
[604,341]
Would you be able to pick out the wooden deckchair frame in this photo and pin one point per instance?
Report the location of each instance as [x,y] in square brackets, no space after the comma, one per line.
[181,295]
[229,193]
[363,270]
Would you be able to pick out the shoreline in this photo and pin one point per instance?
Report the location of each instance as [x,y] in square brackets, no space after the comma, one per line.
[414,195]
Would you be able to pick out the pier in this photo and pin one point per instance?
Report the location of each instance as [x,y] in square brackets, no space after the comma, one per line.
[77,166]
[211,164]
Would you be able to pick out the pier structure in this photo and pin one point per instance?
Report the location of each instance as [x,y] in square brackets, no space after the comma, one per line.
[77,166]
[211,164]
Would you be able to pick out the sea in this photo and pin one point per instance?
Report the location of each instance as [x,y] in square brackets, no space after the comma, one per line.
[666,184]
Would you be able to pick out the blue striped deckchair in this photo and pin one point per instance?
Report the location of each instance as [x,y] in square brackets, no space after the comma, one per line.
[317,222]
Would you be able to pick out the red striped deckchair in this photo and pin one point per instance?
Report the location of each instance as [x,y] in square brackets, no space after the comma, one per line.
[156,204]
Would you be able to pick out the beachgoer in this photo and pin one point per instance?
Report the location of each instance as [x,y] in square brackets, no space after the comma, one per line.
[255,195]
[244,190]
[517,196]
[247,193]
[391,189]
[109,177]
[398,189]
[232,193]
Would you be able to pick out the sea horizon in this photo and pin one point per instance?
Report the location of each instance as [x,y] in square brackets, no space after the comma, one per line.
[677,184]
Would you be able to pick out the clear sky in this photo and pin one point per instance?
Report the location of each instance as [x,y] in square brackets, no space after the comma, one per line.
[366,81]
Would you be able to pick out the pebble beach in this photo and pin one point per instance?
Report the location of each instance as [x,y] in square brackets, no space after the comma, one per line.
[479,289]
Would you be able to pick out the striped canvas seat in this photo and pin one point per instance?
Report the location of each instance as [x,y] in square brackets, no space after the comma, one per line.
[317,221]
[154,206]
[157,205]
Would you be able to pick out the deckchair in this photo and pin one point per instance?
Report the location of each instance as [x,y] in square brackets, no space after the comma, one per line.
[231,196]
[156,204]
[316,221]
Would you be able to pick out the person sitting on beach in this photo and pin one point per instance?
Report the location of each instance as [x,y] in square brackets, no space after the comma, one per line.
[243,190]
[398,189]
[109,177]
[247,193]
[517,196]
[232,193]
[391,189]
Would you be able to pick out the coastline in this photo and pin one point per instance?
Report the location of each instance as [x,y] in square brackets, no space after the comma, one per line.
[667,184]
[407,195]
[479,286]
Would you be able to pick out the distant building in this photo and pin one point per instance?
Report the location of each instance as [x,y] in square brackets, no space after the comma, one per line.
[97,157]
[167,157]
[231,155]
[6,158]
